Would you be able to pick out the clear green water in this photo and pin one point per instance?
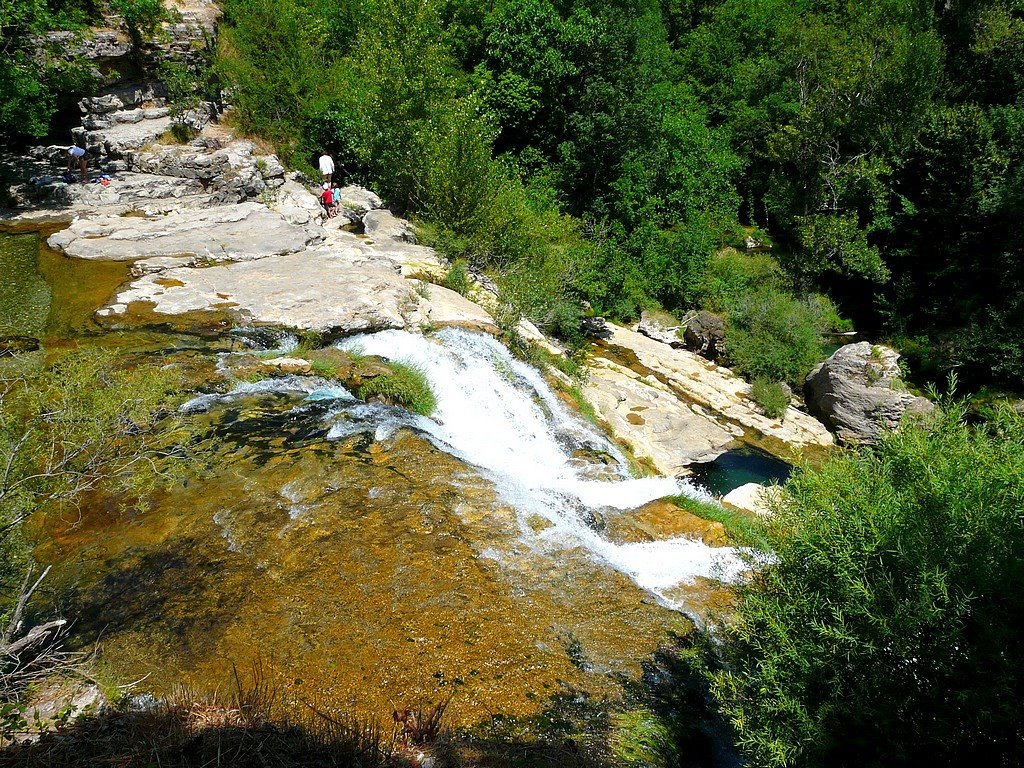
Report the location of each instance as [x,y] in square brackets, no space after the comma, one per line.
[370,572]
[739,467]
[25,296]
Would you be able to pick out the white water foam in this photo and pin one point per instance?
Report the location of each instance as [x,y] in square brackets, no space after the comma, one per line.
[499,415]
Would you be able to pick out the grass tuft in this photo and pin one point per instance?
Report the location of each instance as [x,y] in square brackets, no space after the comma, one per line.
[406,386]
[742,528]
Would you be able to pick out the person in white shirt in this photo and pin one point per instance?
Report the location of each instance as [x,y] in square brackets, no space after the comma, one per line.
[326,166]
[75,152]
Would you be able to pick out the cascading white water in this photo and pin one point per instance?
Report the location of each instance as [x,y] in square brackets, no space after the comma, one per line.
[499,415]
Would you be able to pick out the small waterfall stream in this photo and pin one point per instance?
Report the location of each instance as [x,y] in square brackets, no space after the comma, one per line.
[499,415]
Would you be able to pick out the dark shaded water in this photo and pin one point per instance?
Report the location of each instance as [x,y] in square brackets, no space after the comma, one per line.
[738,467]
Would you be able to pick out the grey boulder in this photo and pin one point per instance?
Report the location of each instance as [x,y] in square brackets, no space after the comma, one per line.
[859,395]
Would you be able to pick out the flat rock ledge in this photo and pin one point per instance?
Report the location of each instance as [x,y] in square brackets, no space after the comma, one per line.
[676,408]
[232,232]
[659,426]
[329,289]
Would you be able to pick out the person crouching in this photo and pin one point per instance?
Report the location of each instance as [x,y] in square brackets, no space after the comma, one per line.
[75,152]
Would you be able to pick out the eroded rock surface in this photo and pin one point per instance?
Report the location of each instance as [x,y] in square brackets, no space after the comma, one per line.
[715,393]
[331,288]
[659,426]
[859,394]
[234,232]
[382,224]
[660,326]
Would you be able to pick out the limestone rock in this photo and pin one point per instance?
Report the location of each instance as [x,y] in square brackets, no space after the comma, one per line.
[231,173]
[338,288]
[754,498]
[95,45]
[705,334]
[649,416]
[128,191]
[659,326]
[297,204]
[313,290]
[443,307]
[125,96]
[381,223]
[716,392]
[235,232]
[858,393]
[359,199]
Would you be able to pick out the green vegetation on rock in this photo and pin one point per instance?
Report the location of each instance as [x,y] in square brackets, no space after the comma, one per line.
[771,396]
[406,385]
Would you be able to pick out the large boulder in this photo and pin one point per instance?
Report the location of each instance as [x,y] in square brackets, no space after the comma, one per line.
[858,393]
[660,327]
[381,224]
[704,333]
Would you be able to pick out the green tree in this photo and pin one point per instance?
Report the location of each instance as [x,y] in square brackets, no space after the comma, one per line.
[887,627]
[141,19]
[34,75]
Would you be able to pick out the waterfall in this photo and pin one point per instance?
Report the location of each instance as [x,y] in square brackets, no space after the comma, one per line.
[499,415]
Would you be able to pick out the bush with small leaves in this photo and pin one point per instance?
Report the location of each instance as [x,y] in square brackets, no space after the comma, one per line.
[771,396]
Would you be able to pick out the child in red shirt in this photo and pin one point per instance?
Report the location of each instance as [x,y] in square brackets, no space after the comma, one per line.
[327,197]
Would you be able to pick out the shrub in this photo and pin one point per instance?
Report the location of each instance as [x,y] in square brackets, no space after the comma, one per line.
[406,386]
[731,275]
[774,335]
[457,278]
[887,629]
[742,528]
[141,19]
[771,396]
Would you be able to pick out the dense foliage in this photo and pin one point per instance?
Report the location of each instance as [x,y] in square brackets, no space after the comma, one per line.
[888,628]
[34,72]
[611,150]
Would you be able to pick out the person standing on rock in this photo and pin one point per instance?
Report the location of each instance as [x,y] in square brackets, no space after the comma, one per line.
[327,196]
[75,152]
[326,166]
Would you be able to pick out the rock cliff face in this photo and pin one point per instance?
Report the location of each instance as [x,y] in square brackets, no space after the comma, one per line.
[858,393]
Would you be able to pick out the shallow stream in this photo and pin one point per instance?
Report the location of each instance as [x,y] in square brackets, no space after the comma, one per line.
[374,557]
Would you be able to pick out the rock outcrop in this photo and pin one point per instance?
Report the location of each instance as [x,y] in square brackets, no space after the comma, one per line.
[646,413]
[264,271]
[858,393]
[237,232]
[381,224]
[660,326]
[704,333]
[680,388]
